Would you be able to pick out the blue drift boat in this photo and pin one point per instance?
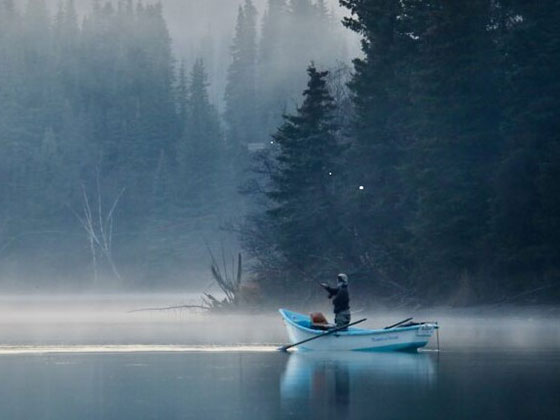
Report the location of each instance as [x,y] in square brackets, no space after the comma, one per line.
[397,338]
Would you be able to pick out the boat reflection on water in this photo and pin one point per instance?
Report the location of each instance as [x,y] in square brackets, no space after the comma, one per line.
[339,384]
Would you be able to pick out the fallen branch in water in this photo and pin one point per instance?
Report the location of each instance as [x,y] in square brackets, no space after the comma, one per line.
[167,308]
[229,283]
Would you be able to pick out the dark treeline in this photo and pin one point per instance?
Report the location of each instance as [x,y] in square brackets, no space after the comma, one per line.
[432,174]
[113,160]
[444,185]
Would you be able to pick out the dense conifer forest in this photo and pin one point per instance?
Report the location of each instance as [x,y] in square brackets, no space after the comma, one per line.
[447,182]
[114,160]
[428,169]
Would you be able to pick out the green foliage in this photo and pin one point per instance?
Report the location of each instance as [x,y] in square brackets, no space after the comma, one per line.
[378,214]
[456,156]
[525,223]
[456,116]
[452,134]
[451,179]
[305,172]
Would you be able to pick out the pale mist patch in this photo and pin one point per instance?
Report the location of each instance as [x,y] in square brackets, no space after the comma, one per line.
[105,320]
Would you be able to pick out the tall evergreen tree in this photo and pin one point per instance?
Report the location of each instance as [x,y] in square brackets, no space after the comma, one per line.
[378,200]
[303,213]
[294,33]
[526,207]
[201,149]
[240,95]
[182,98]
[274,79]
[456,123]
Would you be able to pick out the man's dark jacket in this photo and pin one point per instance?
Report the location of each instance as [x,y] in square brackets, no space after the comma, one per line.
[341,299]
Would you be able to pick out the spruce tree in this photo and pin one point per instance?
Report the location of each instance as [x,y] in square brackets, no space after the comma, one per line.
[456,116]
[240,95]
[294,33]
[303,185]
[201,147]
[378,199]
[526,221]
[182,98]
[274,79]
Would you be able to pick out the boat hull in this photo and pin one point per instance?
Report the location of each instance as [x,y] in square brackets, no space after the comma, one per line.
[356,339]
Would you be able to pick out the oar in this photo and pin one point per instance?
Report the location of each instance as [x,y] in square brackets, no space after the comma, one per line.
[289,346]
[397,324]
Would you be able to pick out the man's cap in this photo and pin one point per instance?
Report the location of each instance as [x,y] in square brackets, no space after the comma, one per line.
[342,278]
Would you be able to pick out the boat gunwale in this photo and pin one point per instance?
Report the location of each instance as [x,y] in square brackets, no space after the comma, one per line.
[351,331]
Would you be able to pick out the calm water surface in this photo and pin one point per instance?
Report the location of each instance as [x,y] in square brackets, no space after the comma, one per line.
[271,385]
[67,358]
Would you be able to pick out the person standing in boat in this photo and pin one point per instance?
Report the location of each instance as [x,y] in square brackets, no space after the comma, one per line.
[340,300]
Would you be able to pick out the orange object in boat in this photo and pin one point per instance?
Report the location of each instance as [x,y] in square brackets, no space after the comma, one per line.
[319,321]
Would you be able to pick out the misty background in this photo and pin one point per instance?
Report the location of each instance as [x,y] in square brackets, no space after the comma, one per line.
[123,104]
[205,29]
[412,145]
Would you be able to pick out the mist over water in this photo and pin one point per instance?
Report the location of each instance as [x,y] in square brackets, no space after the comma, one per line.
[86,356]
[101,320]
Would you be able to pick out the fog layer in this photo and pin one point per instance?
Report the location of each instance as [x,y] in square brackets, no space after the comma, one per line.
[104,320]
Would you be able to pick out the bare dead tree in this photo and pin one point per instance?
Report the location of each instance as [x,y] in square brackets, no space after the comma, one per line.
[98,226]
[227,277]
